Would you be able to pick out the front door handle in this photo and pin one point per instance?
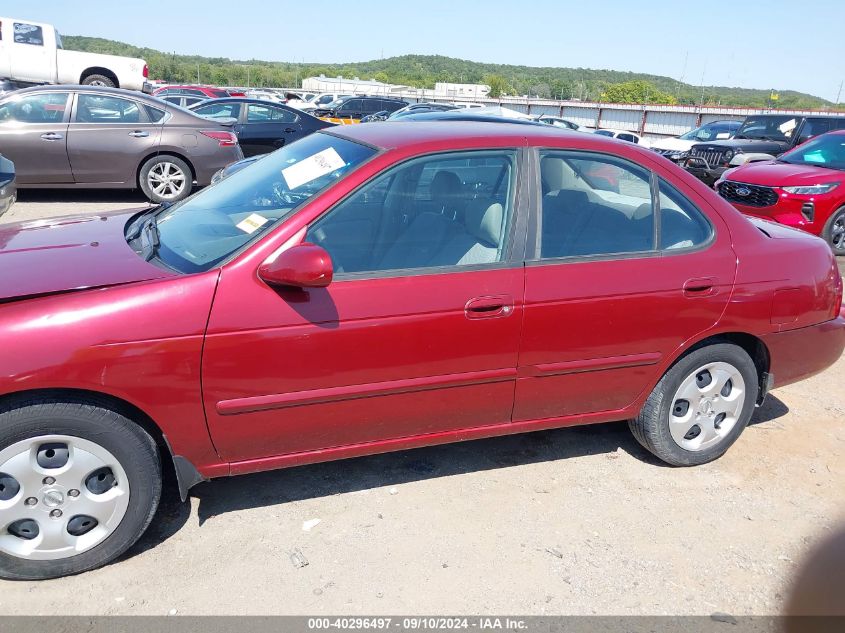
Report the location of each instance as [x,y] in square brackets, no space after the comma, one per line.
[290,130]
[700,287]
[139,134]
[491,307]
[52,136]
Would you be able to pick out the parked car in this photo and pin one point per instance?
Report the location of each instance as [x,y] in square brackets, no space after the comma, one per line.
[676,148]
[622,135]
[560,122]
[374,118]
[186,96]
[31,53]
[761,137]
[261,126]
[353,109]
[233,168]
[495,285]
[321,100]
[801,189]
[8,191]
[419,108]
[94,137]
[7,86]
[478,115]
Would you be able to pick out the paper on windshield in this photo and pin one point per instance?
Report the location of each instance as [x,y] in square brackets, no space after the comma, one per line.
[252,223]
[313,167]
[787,127]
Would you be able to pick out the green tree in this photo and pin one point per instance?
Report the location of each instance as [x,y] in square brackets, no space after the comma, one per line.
[498,85]
[636,91]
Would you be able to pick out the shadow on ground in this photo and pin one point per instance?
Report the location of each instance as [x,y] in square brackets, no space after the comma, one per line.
[331,478]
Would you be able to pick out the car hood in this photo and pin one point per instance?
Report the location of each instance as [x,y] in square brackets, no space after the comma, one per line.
[746,145]
[69,253]
[774,174]
[672,144]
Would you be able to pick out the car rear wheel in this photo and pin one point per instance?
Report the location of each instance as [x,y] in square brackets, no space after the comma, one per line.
[834,231]
[79,484]
[700,406]
[165,178]
[98,80]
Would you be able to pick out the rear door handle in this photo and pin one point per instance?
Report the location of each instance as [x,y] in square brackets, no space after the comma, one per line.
[491,307]
[139,134]
[290,130]
[700,287]
[52,136]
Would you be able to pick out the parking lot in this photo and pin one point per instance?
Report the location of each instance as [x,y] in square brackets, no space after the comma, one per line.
[574,521]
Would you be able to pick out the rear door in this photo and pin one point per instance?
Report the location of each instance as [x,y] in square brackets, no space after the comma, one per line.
[626,267]
[267,127]
[108,137]
[33,135]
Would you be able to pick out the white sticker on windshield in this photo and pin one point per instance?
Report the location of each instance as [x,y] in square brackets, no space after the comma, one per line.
[313,167]
[787,127]
[252,223]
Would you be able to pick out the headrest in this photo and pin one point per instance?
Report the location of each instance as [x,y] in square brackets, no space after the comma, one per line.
[551,173]
[444,185]
[483,220]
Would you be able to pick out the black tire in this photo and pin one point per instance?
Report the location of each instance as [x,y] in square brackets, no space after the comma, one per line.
[99,80]
[837,242]
[651,426]
[126,441]
[165,159]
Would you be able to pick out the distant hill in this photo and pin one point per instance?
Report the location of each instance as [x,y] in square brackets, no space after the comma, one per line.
[423,71]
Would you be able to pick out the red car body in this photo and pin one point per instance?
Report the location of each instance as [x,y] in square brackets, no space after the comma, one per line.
[238,376]
[768,199]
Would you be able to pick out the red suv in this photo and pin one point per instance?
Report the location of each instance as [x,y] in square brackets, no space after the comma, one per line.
[377,288]
[802,189]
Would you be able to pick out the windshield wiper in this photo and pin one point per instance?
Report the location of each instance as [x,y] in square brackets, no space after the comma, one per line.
[138,225]
[150,230]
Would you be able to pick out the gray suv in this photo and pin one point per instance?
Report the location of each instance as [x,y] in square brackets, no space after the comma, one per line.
[95,137]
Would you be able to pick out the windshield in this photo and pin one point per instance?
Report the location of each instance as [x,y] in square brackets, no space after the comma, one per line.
[709,132]
[769,128]
[203,230]
[823,151]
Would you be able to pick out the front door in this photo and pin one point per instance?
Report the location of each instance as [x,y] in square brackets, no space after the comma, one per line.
[108,137]
[31,60]
[33,135]
[417,334]
[620,279]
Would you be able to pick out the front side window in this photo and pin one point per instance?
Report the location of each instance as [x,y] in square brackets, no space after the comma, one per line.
[201,231]
[594,205]
[440,211]
[256,113]
[100,109]
[219,110]
[28,34]
[48,107]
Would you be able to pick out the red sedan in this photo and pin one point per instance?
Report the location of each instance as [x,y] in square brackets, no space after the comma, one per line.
[801,189]
[383,287]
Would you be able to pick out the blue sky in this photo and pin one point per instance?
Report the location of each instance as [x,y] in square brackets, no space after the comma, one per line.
[751,43]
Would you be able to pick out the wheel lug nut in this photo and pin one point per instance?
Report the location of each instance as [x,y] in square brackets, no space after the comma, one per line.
[55,513]
[31,501]
[73,492]
[48,481]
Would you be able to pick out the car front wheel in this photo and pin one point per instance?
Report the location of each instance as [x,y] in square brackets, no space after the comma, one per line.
[79,484]
[700,406]
[834,231]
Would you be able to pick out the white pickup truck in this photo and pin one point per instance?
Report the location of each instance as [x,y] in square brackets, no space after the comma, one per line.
[31,53]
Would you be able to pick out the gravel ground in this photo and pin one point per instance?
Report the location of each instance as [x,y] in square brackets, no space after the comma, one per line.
[575,521]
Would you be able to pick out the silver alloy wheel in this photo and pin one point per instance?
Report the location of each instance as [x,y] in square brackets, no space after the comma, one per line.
[166,180]
[837,232]
[99,83]
[62,491]
[707,406]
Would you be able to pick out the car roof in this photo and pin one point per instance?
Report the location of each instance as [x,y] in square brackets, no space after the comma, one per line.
[409,134]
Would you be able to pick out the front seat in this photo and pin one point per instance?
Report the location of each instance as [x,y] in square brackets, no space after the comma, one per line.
[478,241]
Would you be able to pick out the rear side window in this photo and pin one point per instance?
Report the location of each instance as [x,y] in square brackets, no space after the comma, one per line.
[155,114]
[219,110]
[682,225]
[594,205]
[28,34]
[256,113]
[100,109]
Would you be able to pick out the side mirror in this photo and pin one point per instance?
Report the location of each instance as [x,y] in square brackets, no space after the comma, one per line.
[301,266]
